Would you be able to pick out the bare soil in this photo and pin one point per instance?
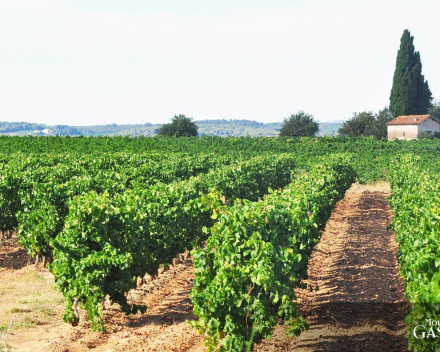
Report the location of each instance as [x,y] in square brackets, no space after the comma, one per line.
[162,328]
[358,307]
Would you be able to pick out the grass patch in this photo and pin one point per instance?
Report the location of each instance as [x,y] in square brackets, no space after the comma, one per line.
[377,186]
[31,298]
[4,334]
[4,347]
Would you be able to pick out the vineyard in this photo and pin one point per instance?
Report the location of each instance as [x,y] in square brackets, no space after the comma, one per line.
[102,213]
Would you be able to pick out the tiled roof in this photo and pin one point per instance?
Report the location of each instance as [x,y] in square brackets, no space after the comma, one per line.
[411,120]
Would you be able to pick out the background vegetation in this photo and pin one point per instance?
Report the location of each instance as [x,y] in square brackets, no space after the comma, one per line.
[221,128]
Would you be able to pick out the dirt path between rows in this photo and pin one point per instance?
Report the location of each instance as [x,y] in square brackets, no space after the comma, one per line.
[358,307]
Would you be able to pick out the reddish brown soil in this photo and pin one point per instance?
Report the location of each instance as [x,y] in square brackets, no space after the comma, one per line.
[358,307]
[162,328]
[12,256]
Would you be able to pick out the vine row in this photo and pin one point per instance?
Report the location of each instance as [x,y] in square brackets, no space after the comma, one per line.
[415,202]
[108,241]
[257,253]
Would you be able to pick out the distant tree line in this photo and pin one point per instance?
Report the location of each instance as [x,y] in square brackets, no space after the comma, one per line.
[7,127]
[247,123]
[64,130]
[60,130]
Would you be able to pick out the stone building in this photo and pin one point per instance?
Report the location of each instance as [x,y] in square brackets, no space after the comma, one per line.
[410,127]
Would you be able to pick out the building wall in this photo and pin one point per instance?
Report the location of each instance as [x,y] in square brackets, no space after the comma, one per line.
[402,131]
[429,125]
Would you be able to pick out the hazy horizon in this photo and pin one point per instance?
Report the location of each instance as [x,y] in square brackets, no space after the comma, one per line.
[90,62]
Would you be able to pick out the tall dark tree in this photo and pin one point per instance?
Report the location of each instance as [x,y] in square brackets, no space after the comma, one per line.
[180,126]
[410,94]
[299,125]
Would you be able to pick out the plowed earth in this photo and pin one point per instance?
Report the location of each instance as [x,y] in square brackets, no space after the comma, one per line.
[358,307]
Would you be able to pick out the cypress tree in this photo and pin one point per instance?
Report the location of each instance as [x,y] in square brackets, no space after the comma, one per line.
[410,94]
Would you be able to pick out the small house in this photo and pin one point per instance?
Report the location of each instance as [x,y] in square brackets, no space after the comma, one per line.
[410,127]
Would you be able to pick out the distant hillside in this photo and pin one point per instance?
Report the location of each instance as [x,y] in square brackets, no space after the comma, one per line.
[36,129]
[223,128]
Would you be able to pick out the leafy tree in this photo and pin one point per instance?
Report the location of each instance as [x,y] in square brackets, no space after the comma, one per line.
[64,130]
[367,124]
[410,93]
[299,125]
[180,126]
[361,124]
[382,118]
[435,109]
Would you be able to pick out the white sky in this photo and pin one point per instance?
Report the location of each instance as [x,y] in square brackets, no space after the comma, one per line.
[85,62]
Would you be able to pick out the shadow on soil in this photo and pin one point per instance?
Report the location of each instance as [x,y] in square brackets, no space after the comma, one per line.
[12,256]
[365,342]
[178,311]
